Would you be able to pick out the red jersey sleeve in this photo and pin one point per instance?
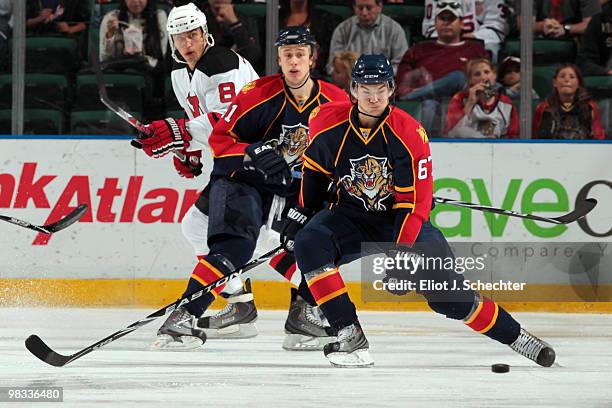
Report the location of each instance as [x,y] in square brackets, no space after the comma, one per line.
[244,122]
[537,119]
[513,129]
[455,111]
[413,181]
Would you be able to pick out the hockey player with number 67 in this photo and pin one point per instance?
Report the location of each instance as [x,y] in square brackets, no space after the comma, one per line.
[378,157]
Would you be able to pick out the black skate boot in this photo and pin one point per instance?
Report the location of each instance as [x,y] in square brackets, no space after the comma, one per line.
[178,333]
[351,349]
[236,320]
[306,327]
[534,349]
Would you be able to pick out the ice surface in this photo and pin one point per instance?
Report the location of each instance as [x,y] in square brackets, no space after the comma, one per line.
[422,360]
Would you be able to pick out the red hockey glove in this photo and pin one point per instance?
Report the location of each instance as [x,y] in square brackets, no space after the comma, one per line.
[168,134]
[191,167]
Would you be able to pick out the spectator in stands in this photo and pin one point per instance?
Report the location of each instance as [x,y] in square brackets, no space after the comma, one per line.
[569,113]
[5,32]
[555,19]
[231,30]
[65,17]
[435,69]
[483,20]
[56,16]
[321,24]
[509,76]
[595,54]
[343,65]
[136,29]
[482,110]
[369,32]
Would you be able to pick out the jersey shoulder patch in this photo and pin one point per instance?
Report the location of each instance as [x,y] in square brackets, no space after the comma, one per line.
[405,126]
[218,60]
[332,92]
[262,88]
[328,116]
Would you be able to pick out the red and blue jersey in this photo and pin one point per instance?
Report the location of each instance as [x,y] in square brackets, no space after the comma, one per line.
[380,172]
[266,110]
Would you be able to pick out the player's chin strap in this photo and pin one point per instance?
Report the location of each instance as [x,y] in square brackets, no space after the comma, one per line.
[367,114]
[303,83]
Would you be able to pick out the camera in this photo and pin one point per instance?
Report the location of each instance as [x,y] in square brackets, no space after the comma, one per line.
[489,90]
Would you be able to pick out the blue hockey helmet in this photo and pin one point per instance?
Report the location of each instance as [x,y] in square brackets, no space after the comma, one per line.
[372,69]
[294,35]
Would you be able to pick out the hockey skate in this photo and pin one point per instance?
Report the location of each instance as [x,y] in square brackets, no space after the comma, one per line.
[306,328]
[351,349]
[236,320]
[534,349]
[178,333]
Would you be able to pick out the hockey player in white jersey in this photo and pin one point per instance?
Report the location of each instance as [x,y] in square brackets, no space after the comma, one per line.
[205,78]
[486,20]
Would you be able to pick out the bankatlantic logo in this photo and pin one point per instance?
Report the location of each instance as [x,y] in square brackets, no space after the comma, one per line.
[122,200]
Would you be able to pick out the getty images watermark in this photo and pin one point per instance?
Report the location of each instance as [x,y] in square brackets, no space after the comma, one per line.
[414,271]
[507,271]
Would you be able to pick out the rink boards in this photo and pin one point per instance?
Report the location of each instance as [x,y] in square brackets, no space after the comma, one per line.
[128,250]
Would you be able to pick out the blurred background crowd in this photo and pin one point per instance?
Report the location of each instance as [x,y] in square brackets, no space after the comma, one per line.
[456,62]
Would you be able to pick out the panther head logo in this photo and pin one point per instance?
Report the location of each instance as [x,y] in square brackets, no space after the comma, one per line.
[370,181]
[293,142]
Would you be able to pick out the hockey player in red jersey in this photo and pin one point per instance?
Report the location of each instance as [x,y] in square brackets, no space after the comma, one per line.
[378,157]
[257,147]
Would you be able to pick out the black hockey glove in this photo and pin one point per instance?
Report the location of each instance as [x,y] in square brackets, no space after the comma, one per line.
[406,264]
[265,167]
[297,217]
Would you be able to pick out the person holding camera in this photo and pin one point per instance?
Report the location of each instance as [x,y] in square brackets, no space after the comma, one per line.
[481,110]
[135,29]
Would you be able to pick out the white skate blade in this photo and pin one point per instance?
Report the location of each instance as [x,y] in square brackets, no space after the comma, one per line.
[300,342]
[165,342]
[235,331]
[358,358]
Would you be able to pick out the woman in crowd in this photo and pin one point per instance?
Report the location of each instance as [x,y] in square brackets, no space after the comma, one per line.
[569,113]
[482,110]
[343,65]
[136,29]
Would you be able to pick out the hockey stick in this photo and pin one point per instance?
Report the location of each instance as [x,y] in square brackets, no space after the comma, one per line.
[38,347]
[122,113]
[582,208]
[65,222]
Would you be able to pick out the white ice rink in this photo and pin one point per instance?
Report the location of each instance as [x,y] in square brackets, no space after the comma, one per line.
[422,360]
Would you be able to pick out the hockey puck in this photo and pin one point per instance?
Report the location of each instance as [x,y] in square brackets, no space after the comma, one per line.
[500,368]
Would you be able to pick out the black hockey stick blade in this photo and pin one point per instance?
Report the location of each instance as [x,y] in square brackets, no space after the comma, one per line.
[40,349]
[582,208]
[67,221]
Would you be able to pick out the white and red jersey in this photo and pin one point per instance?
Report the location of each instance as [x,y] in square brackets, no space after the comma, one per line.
[487,19]
[206,92]
[497,120]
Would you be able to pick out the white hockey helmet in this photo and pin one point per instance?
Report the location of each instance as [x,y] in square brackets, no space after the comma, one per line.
[186,18]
